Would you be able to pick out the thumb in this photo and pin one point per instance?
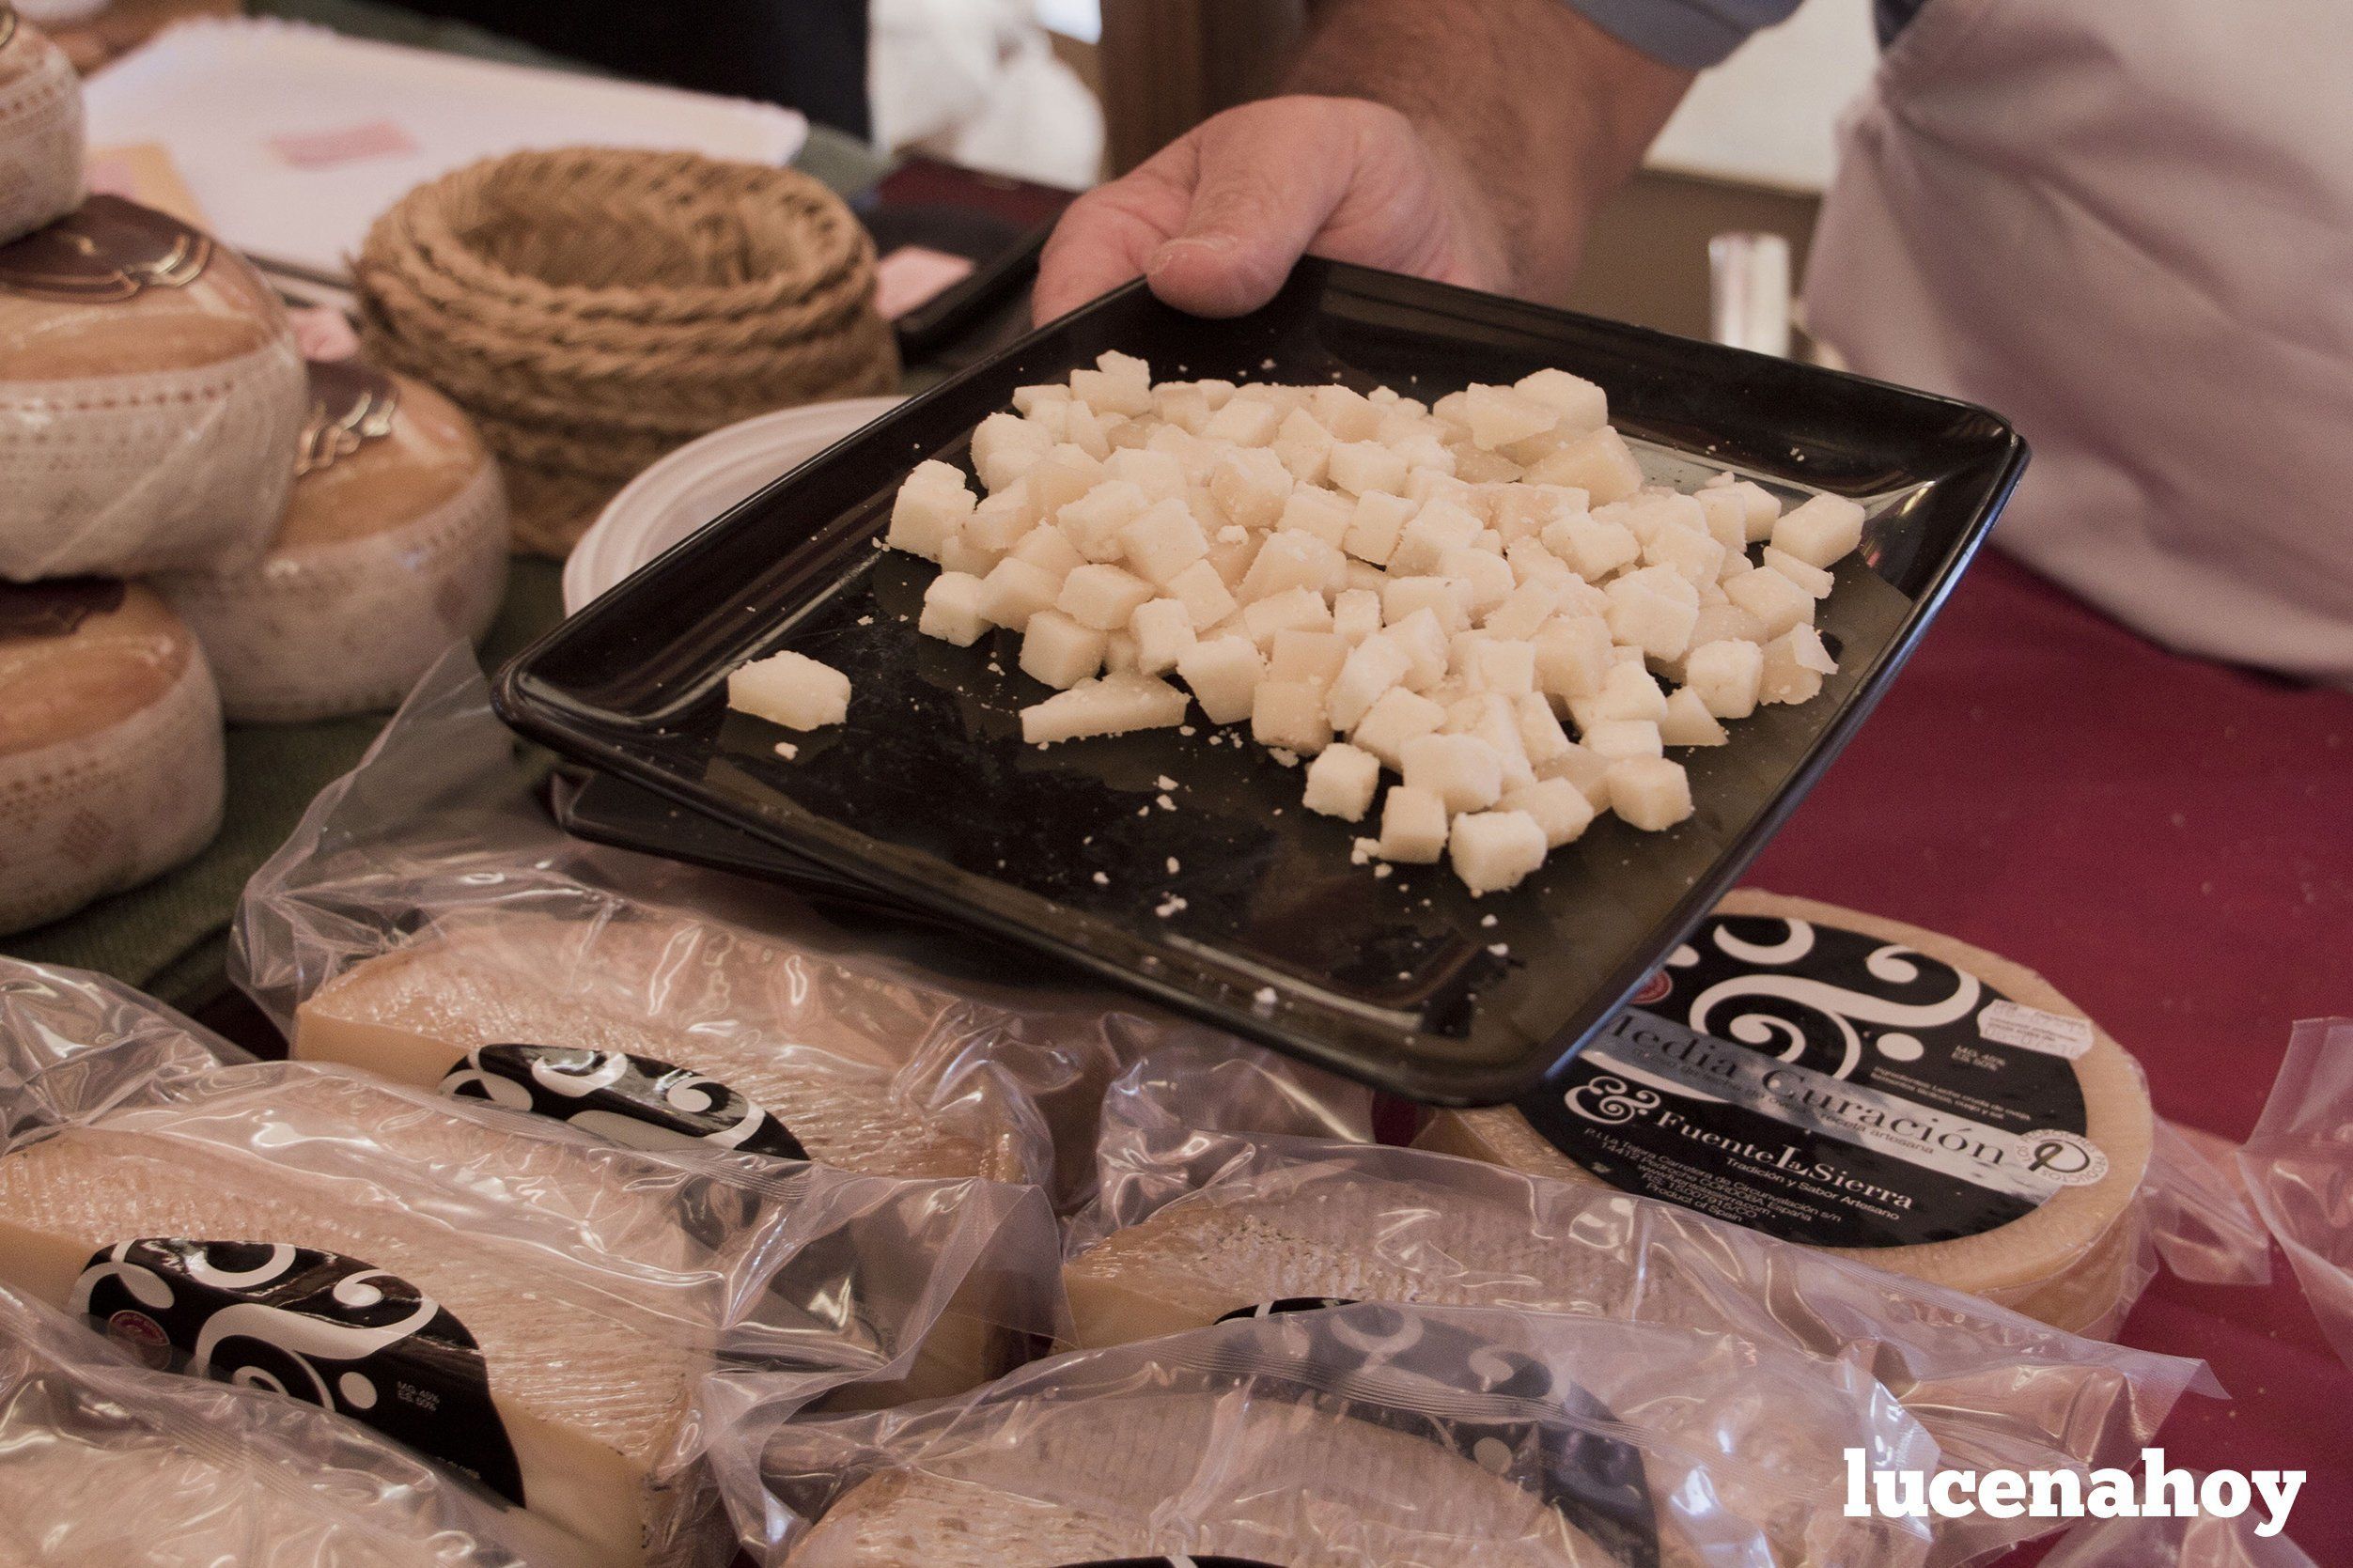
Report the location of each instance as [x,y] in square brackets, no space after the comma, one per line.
[1265,177]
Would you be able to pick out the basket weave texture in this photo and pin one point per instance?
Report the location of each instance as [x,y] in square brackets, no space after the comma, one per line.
[594,308]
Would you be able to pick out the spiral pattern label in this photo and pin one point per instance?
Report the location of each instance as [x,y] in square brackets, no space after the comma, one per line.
[317,1327]
[1826,1087]
[633,1100]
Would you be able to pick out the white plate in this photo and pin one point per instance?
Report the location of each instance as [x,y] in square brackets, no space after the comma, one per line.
[700,480]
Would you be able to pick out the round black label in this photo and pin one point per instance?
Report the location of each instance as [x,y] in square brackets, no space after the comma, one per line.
[633,1100]
[1827,1087]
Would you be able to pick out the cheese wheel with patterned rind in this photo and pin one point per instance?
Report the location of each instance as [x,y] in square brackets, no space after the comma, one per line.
[110,761]
[40,129]
[393,547]
[2069,1262]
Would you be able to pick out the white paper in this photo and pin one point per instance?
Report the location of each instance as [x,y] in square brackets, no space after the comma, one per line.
[227,98]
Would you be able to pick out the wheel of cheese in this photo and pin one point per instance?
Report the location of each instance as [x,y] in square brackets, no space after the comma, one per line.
[151,393]
[110,745]
[40,129]
[1856,1083]
[394,545]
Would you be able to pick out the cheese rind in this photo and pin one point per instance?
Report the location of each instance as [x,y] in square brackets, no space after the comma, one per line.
[40,130]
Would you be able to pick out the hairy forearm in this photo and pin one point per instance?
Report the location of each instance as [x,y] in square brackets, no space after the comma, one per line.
[1538,114]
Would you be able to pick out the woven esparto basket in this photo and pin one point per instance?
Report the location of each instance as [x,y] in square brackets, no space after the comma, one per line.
[594,308]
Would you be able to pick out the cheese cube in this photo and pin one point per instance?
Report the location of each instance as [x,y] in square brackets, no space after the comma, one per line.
[1251,486]
[1372,669]
[1777,603]
[1102,597]
[1493,851]
[1114,704]
[1163,630]
[1003,520]
[1689,552]
[927,510]
[1060,651]
[1303,447]
[1356,615]
[1116,390]
[1556,805]
[1293,609]
[1599,464]
[1243,422]
[1581,407]
[1359,466]
[1217,392]
[1495,719]
[1541,737]
[1396,717]
[1161,541]
[1817,582]
[1627,691]
[1462,771]
[1726,677]
[1524,511]
[1759,509]
[1290,714]
[1203,594]
[1726,515]
[1318,512]
[1794,665]
[1412,826]
[1029,400]
[1613,739]
[791,690]
[1287,561]
[1233,549]
[1313,656]
[951,609]
[1374,525]
[1504,666]
[1689,722]
[1440,526]
[1573,657]
[1592,546]
[1447,599]
[1092,522]
[1062,477]
[1488,574]
[963,554]
[1049,549]
[1223,674]
[1344,412]
[1341,781]
[1650,793]
[1005,446]
[1820,531]
[1646,611]
[1156,473]
[1498,415]
[1524,610]
[1014,590]
[1726,622]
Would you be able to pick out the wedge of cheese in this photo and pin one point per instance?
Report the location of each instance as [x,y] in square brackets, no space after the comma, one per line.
[2062,1245]
[393,547]
[173,1224]
[109,1462]
[1194,1474]
[111,763]
[498,1003]
[41,129]
[150,393]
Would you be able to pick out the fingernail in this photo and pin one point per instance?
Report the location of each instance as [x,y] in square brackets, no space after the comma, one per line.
[1216,244]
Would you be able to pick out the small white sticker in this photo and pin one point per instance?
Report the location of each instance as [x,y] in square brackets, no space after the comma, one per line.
[2014,1023]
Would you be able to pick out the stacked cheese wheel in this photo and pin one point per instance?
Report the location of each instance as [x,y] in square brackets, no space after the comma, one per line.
[2068,1256]
[41,129]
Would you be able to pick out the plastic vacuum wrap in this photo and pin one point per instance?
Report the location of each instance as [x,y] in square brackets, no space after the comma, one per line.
[1359,1436]
[2299,1165]
[1190,1227]
[40,129]
[109,1460]
[429,920]
[150,395]
[523,1301]
[2202,1542]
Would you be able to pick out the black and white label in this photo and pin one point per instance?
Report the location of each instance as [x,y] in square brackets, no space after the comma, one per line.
[315,1326]
[1595,1481]
[1826,1087]
[632,1100]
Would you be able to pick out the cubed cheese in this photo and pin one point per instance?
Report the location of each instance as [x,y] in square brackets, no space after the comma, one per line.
[1524,610]
[1599,464]
[1163,630]
[1092,522]
[1817,582]
[1374,525]
[1573,657]
[1612,739]
[951,609]
[1687,722]
[1493,851]
[1290,714]
[1726,677]
[1462,771]
[1291,560]
[1359,466]
[1413,825]
[1489,575]
[1060,651]
[1303,447]
[927,510]
[1223,674]
[1243,423]
[1649,793]
[1356,614]
[1341,781]
[1541,737]
[1820,531]
[791,690]
[1422,636]
[1293,609]
[1102,597]
[1777,603]
[1794,665]
[1627,691]
[1156,473]
[1252,485]
[1445,599]
[1504,666]
[1440,526]
[1372,669]
[1396,717]
[1114,704]
[1203,594]
[1557,806]
[1583,407]
[1314,657]
[1592,546]
[1163,540]
[1499,416]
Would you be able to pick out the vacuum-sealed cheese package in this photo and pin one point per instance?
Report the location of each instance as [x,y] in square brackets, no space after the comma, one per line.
[110,760]
[110,1461]
[1191,1228]
[151,393]
[2298,1167]
[428,922]
[1849,1082]
[394,545]
[511,1298]
[2201,1541]
[40,129]
[1358,1437]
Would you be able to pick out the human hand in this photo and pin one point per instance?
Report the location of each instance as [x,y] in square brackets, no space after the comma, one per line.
[1216,219]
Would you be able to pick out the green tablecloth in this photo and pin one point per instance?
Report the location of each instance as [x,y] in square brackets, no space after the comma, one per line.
[170,936]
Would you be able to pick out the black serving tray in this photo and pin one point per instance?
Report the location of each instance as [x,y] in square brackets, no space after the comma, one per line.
[928,796]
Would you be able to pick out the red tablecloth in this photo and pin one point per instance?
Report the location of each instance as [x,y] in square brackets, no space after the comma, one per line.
[2171,842]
